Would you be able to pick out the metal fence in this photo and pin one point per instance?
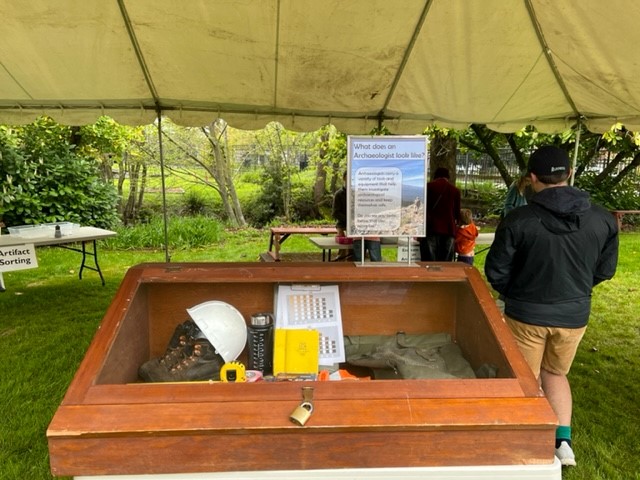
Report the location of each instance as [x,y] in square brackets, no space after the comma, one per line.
[472,168]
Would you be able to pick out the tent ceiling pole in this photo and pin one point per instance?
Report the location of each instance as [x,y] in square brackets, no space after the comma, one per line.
[276,58]
[575,151]
[138,51]
[167,257]
[154,93]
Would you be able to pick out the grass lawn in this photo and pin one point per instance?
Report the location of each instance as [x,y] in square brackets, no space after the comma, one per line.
[48,319]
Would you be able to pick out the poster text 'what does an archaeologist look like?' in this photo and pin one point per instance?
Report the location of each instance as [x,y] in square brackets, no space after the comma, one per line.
[387,188]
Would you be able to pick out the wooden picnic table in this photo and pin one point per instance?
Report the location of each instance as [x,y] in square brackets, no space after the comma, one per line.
[621,213]
[280,234]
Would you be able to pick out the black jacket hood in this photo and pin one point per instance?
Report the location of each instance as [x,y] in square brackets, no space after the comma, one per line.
[561,209]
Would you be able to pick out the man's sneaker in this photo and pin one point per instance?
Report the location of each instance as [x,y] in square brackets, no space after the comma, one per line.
[565,454]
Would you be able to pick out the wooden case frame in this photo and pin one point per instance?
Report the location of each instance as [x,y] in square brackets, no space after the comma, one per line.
[110,423]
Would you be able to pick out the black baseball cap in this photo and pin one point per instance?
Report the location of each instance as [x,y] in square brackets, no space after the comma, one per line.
[549,160]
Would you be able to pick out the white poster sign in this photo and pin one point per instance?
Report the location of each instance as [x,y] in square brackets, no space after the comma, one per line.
[408,248]
[386,182]
[18,257]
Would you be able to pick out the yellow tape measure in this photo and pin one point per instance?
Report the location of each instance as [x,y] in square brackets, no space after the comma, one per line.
[233,372]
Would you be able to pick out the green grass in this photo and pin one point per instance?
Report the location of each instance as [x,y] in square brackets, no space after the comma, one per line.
[48,319]
[605,376]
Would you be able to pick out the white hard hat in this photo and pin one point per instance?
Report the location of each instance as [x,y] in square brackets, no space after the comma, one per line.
[223,325]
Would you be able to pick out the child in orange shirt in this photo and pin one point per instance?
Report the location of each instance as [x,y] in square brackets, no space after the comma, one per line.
[466,237]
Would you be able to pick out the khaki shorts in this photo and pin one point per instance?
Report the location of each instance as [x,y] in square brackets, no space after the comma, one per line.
[550,348]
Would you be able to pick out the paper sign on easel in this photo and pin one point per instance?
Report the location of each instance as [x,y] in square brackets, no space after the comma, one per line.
[18,257]
[386,185]
[404,247]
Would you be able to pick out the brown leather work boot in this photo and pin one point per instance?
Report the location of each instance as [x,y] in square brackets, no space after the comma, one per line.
[186,358]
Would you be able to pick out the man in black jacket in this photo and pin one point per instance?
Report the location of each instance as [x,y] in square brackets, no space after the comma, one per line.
[545,260]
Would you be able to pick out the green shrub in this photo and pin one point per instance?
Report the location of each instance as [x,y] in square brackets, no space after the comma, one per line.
[621,196]
[303,208]
[44,180]
[488,197]
[184,233]
[194,204]
[259,210]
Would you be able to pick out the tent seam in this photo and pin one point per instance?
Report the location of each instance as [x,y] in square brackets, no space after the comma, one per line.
[546,50]
[405,58]
[139,55]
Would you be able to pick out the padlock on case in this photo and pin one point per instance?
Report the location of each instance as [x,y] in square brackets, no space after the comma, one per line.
[301,413]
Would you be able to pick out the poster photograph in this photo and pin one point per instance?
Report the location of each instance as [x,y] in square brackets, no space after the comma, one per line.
[386,182]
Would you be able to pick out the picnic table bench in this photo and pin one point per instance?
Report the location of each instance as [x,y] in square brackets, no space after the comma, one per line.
[621,213]
[326,244]
[280,234]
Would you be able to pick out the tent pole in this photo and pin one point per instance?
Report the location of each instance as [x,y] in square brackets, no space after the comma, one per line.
[575,152]
[164,190]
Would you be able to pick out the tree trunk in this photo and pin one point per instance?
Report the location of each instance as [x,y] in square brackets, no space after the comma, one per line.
[486,136]
[219,174]
[628,169]
[517,153]
[122,173]
[129,212]
[143,185]
[319,186]
[233,196]
[222,173]
[442,153]
[106,167]
[611,166]
[235,203]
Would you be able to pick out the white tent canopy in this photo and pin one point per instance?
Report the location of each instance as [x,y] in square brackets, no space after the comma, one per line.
[306,63]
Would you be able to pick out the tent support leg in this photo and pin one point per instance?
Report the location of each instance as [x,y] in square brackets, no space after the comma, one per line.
[164,190]
[575,152]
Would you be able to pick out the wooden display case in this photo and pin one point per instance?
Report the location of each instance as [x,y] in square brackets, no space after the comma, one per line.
[110,423]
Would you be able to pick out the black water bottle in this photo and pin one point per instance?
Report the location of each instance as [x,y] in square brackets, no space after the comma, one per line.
[260,343]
